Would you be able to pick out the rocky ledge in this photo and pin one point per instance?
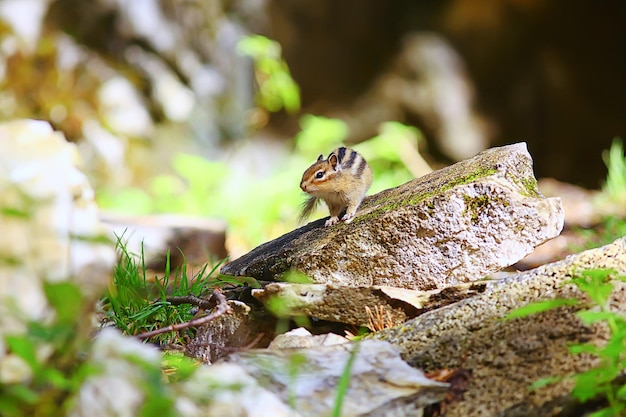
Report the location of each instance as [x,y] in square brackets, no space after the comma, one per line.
[454,225]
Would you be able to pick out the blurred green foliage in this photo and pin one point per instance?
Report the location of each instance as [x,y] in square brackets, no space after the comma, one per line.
[319,133]
[50,350]
[261,207]
[258,208]
[610,203]
[609,229]
[614,188]
[277,90]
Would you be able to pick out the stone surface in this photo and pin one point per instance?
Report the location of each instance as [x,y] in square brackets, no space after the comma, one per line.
[126,383]
[372,307]
[381,384]
[302,338]
[454,225]
[505,357]
[242,328]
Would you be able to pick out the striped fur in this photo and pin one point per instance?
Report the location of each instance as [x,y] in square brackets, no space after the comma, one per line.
[341,180]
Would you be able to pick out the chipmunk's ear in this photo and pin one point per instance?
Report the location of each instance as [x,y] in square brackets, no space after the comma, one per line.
[332,159]
[319,158]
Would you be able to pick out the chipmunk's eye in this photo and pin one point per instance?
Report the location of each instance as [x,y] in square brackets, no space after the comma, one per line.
[319,175]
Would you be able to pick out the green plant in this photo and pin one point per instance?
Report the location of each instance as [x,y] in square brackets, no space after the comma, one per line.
[57,375]
[136,304]
[277,90]
[344,380]
[318,132]
[261,204]
[609,229]
[615,186]
[610,204]
[601,380]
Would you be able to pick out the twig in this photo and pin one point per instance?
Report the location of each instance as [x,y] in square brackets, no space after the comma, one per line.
[221,308]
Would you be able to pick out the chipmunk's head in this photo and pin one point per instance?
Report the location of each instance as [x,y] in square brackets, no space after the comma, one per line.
[319,175]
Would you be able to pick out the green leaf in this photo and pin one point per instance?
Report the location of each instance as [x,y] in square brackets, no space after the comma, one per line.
[593,382]
[583,348]
[13,398]
[344,381]
[55,378]
[15,212]
[590,317]
[66,298]
[200,173]
[393,140]
[540,306]
[277,89]
[542,382]
[257,46]
[621,393]
[596,284]
[184,366]
[614,411]
[23,347]
[615,185]
[612,350]
[296,277]
[320,133]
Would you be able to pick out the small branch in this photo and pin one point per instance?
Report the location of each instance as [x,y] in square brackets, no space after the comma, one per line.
[221,308]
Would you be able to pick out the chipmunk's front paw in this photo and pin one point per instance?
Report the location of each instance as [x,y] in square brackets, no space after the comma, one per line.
[331,221]
[348,217]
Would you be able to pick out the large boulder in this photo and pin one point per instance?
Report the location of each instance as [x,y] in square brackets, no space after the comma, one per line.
[454,225]
[505,357]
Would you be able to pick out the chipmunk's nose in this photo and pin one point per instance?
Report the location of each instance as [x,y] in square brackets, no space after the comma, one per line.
[303,187]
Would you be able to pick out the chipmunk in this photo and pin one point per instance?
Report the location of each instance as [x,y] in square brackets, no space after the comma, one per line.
[341,180]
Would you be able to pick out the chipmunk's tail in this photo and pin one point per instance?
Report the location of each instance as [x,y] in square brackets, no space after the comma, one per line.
[307,208]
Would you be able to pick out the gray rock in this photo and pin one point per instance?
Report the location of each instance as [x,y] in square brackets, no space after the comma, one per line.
[302,338]
[244,327]
[372,307]
[381,383]
[453,225]
[506,357]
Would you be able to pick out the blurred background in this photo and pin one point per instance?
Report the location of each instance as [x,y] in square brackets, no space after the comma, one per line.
[178,107]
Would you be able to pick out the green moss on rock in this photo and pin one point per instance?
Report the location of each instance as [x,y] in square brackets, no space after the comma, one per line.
[479,204]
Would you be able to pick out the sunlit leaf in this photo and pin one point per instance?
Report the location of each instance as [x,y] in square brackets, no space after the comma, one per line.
[590,317]
[540,306]
[621,393]
[296,277]
[614,411]
[542,382]
[596,284]
[583,348]
[65,298]
[320,133]
[23,347]
[592,383]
